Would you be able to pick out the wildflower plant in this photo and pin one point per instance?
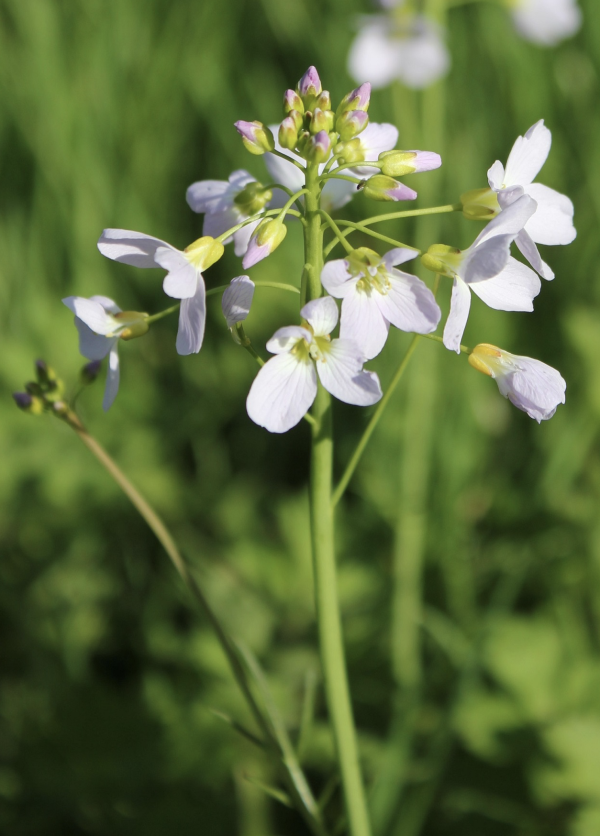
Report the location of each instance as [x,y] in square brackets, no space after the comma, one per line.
[318,158]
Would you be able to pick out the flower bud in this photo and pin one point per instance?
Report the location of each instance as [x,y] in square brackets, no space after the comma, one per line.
[237,299]
[292,101]
[324,101]
[480,204]
[204,252]
[137,324]
[309,88]
[351,151]
[357,99]
[252,198]
[289,128]
[399,163]
[351,123]
[29,403]
[256,137]
[90,372]
[321,120]
[318,149]
[268,236]
[380,187]
[440,258]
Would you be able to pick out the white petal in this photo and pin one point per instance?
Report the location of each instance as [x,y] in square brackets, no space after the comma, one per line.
[485,260]
[460,304]
[546,22]
[531,253]
[192,319]
[341,373]
[509,195]
[552,222]
[181,282]
[237,299]
[496,176]
[219,222]
[130,247]
[282,393]
[109,305]
[92,313]
[284,339]
[282,171]
[322,314]
[207,196]
[528,155]
[375,139]
[511,290]
[93,346]
[424,55]
[112,378]
[242,237]
[399,255]
[409,304]
[336,279]
[510,220]
[374,56]
[363,322]
[336,193]
[535,388]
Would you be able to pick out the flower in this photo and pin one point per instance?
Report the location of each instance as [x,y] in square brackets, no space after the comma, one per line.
[183,280]
[399,45]
[227,203]
[237,299]
[529,384]
[487,269]
[546,22]
[286,386]
[552,222]
[268,236]
[101,324]
[375,294]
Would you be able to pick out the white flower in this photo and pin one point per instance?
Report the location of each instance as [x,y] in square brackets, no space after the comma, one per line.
[529,384]
[375,294]
[286,386]
[99,333]
[552,222]
[228,203]
[237,299]
[398,45]
[183,280]
[546,22]
[487,269]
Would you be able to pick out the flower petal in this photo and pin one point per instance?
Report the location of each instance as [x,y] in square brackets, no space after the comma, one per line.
[398,256]
[281,171]
[528,155]
[514,289]
[217,195]
[424,56]
[322,314]
[93,346]
[376,138]
[181,282]
[336,279]
[460,305]
[409,304]
[336,193]
[363,322]
[217,223]
[242,237]
[552,222]
[284,339]
[485,260]
[496,176]
[282,393]
[192,319]
[130,247]
[341,373]
[237,299]
[535,387]
[510,221]
[92,313]
[112,378]
[531,253]
[546,22]
[374,56]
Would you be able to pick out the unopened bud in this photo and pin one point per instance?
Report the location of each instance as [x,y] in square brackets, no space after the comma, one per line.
[309,88]
[440,258]
[321,120]
[357,99]
[380,187]
[90,372]
[268,236]
[289,128]
[203,252]
[480,204]
[318,150]
[252,198]
[324,101]
[485,357]
[257,138]
[292,101]
[351,152]
[29,403]
[136,324]
[351,123]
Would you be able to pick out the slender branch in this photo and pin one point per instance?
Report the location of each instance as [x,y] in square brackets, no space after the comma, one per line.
[414,213]
[288,159]
[334,176]
[155,317]
[258,217]
[464,349]
[337,232]
[358,227]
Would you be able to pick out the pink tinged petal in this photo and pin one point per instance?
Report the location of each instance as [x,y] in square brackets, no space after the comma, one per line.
[284,339]
[496,176]
[242,237]
[510,221]
[322,314]
[460,305]
[528,155]
[409,304]
[402,192]
[92,313]
[282,393]
[398,256]
[337,193]
[534,387]
[255,253]
[363,323]
[376,138]
[237,299]
[514,289]
[181,282]
[192,319]
[552,222]
[374,56]
[531,253]
[341,372]
[336,279]
[426,161]
[112,378]
[308,80]
[130,247]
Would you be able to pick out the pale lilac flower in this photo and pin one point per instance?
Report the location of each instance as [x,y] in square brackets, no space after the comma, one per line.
[183,280]
[487,269]
[529,384]
[286,386]
[217,199]
[552,222]
[99,334]
[399,45]
[237,299]
[545,22]
[376,295]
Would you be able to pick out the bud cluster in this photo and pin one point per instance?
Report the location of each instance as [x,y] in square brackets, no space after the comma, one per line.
[44,393]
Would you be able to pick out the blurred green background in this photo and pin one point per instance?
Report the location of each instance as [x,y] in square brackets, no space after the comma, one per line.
[469,541]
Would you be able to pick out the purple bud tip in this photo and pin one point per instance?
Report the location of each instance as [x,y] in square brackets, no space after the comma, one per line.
[427,160]
[402,192]
[247,130]
[22,400]
[254,253]
[41,366]
[361,97]
[309,80]
[322,140]
[93,369]
[289,98]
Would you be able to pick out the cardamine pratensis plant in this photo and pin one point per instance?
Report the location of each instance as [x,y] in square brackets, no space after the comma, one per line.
[317,160]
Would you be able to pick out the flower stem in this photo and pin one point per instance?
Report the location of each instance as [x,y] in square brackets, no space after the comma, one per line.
[337,232]
[464,348]
[361,228]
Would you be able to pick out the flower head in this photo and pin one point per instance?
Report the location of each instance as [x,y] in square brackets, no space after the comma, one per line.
[286,386]
[184,274]
[529,384]
[546,22]
[375,295]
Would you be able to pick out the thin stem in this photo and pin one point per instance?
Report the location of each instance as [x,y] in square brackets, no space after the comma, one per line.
[279,286]
[360,447]
[414,213]
[258,217]
[155,317]
[357,227]
[337,232]
[334,176]
[289,159]
[464,348]
[246,343]
[287,207]
[357,165]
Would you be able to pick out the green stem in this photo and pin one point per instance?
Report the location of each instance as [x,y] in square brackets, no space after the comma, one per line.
[360,228]
[414,213]
[327,177]
[337,232]
[155,317]
[464,348]
[360,447]
[288,159]
[259,216]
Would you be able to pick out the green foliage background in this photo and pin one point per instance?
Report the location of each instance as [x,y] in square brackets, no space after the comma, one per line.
[109,110]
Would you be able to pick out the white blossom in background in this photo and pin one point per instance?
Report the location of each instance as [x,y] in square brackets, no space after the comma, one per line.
[545,22]
[552,222]
[375,295]
[237,300]
[184,274]
[399,46]
[529,384]
[286,386]
[487,269]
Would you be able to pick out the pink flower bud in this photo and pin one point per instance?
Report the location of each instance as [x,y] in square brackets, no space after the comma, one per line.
[318,150]
[399,163]
[357,99]
[351,123]
[380,187]
[292,101]
[257,138]
[267,238]
[310,83]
